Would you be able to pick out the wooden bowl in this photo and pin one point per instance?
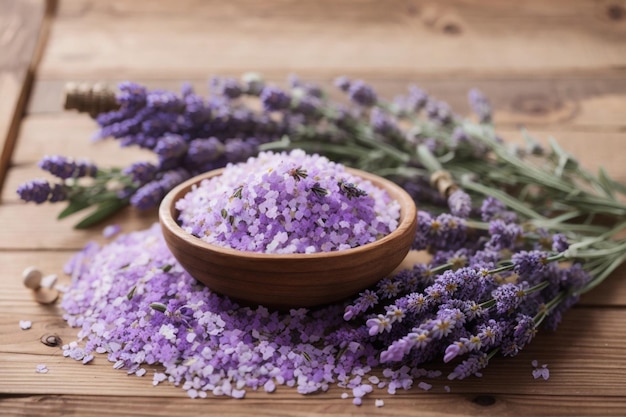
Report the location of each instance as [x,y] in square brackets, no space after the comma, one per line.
[283,281]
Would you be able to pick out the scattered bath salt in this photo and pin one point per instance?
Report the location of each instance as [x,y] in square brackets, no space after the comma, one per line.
[205,342]
[379,403]
[41,369]
[540,371]
[478,374]
[111,230]
[26,324]
[446,388]
[158,377]
[424,386]
[344,395]
[357,401]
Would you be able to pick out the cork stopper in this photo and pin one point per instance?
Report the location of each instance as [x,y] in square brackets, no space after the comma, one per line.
[89,98]
[443,182]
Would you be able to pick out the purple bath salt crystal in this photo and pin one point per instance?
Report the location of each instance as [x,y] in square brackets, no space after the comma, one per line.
[288,203]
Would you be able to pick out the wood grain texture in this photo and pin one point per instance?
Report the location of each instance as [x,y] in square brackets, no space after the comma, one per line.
[557,67]
[21,29]
[359,36]
[427,405]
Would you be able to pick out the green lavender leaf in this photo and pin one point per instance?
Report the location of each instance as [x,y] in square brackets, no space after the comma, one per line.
[73,207]
[104,210]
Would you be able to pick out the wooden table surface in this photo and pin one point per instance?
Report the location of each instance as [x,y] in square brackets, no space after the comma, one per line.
[556,67]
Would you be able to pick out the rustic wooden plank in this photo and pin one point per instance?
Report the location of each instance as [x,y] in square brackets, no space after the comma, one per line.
[22,31]
[562,103]
[584,357]
[360,36]
[427,405]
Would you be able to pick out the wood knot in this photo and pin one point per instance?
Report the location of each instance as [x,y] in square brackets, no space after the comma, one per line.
[484,400]
[451,29]
[536,104]
[89,98]
[51,340]
[615,12]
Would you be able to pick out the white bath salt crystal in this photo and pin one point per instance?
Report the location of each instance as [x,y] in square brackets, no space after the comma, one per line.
[269,386]
[100,349]
[446,388]
[238,393]
[140,372]
[41,369]
[191,337]
[344,395]
[158,377]
[478,374]
[357,401]
[111,230]
[379,403]
[192,393]
[424,385]
[535,363]
[118,365]
[87,359]
[373,379]
[26,324]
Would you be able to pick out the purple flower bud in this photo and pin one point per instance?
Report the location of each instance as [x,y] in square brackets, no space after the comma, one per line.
[204,151]
[36,191]
[509,296]
[382,123]
[469,366]
[237,150]
[480,105]
[227,87]
[559,243]
[148,196]
[64,168]
[141,172]
[170,147]
[460,204]
[58,193]
[343,83]
[529,263]
[417,98]
[274,99]
[362,94]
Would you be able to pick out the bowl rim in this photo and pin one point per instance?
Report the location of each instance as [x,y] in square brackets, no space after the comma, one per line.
[167,210]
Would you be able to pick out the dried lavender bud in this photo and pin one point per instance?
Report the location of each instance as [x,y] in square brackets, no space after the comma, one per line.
[274,99]
[480,105]
[343,83]
[362,94]
[227,87]
[64,168]
[59,192]
[141,172]
[36,191]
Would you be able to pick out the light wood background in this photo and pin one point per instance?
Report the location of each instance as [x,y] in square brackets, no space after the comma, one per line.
[557,67]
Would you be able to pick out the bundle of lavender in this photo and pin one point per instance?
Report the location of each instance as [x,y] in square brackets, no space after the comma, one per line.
[516,234]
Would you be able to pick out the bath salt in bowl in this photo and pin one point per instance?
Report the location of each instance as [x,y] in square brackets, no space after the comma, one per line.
[288,230]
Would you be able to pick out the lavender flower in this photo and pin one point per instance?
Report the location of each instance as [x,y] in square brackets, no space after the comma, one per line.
[480,105]
[141,172]
[361,93]
[36,191]
[64,168]
[274,99]
[460,204]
